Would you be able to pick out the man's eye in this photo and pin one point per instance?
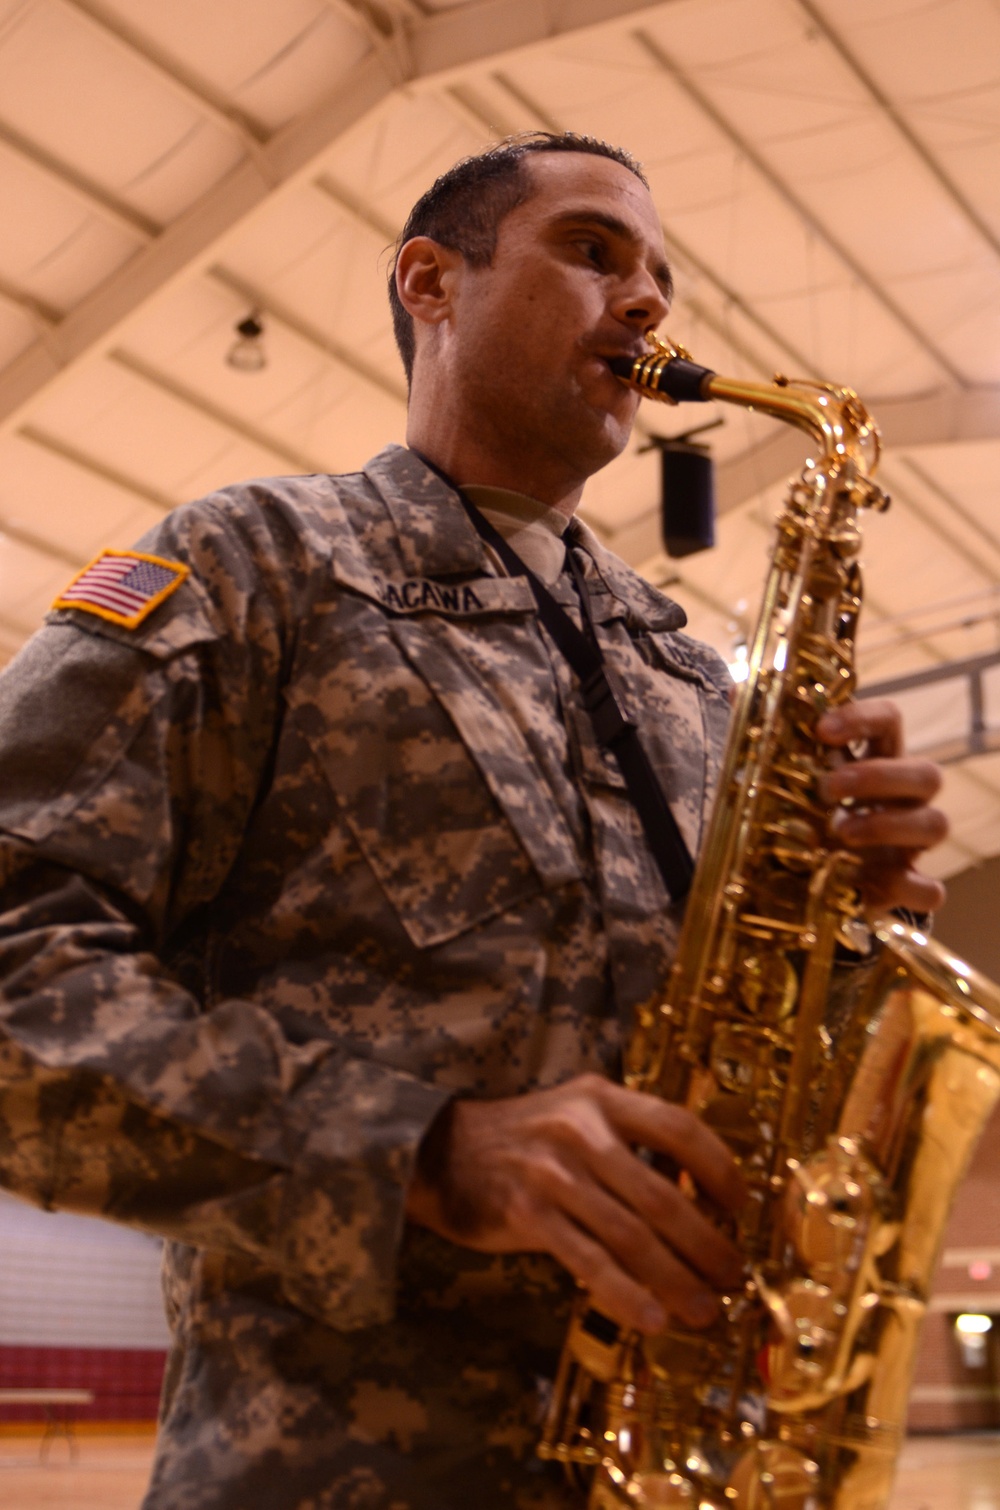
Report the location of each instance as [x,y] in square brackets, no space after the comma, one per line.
[593,251]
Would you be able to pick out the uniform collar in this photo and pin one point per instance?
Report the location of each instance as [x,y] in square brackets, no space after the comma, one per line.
[433,531]
[436,539]
[645,606]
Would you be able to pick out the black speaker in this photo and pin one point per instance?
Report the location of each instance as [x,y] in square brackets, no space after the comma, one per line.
[687,498]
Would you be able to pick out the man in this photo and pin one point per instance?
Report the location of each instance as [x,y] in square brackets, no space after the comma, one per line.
[326,913]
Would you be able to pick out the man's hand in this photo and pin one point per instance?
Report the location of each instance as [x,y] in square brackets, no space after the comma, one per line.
[555,1172]
[888,820]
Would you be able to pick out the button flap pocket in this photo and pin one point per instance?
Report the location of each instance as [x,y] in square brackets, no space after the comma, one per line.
[445,843]
[496,744]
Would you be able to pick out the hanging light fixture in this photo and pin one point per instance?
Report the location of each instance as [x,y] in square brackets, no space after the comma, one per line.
[248,353]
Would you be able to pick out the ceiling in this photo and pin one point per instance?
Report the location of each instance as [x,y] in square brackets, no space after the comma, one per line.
[828,175]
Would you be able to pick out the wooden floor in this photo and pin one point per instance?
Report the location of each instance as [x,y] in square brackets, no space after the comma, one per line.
[110,1472]
[949,1473]
[101,1473]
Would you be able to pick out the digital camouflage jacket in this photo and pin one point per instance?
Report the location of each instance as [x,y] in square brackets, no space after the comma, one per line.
[323,841]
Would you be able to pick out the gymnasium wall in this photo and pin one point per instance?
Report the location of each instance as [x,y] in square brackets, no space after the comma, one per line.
[80,1308]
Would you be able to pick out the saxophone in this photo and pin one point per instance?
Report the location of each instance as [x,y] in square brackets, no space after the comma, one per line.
[850,1076]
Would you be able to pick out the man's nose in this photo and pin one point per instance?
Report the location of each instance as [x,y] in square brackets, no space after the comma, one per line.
[641,301]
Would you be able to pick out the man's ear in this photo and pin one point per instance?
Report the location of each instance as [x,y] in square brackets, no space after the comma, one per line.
[425,278]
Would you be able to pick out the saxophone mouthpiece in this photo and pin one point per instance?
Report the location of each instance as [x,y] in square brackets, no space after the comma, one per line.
[666,373]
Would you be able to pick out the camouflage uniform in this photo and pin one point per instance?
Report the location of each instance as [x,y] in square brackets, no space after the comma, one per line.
[324,841]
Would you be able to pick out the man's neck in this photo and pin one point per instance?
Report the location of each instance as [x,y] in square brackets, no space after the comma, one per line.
[463,458]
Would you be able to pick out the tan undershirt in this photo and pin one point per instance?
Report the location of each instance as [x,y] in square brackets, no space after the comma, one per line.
[530,528]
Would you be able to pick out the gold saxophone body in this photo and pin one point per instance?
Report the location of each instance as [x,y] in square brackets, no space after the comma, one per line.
[852,1094]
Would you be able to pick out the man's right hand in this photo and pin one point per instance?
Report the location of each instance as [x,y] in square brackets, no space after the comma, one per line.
[556,1172]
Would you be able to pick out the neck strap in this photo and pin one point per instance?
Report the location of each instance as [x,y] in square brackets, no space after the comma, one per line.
[604,699]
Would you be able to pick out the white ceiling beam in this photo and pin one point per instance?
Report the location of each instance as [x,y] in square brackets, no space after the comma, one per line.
[91,196]
[819,20]
[41,314]
[463,104]
[170,71]
[355,209]
[439,48]
[932,419]
[947,497]
[977,737]
[933,630]
[935,419]
[234,423]
[47,548]
[821,231]
[365,13]
[968,666]
[50,549]
[268,305]
[96,467]
[386,28]
[442,46]
[977,562]
[543,118]
[378,23]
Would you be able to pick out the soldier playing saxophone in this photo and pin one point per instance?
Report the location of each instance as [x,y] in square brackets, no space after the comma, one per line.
[325,912]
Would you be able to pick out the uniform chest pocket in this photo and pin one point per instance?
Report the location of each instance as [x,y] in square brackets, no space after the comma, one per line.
[432,776]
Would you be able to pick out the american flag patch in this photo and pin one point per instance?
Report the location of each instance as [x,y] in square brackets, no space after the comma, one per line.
[123,586]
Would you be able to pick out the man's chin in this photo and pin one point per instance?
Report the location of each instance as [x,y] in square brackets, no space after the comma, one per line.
[618,420]
[605,441]
[595,425]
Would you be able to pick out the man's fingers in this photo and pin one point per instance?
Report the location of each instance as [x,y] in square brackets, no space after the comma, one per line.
[628,1281]
[648,1122]
[891,882]
[556,1171]
[691,1236]
[882,780]
[612,1291]
[873,720]
[654,1231]
[908,828]
[663,1209]
[887,819]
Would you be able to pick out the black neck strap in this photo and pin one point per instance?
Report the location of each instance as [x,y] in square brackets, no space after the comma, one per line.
[604,699]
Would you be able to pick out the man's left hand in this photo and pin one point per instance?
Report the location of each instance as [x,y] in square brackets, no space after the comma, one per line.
[888,818]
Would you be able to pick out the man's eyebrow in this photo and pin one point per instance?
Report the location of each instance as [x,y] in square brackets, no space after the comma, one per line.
[617,227]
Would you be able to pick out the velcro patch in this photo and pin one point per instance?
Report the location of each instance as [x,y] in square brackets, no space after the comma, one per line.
[123,586]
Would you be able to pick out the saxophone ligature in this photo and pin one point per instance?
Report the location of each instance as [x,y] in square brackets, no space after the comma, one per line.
[850,1067]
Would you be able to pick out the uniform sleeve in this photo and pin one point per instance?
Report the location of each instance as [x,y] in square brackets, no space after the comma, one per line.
[129,763]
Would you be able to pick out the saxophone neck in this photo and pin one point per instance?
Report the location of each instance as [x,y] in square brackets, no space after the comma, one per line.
[833,416]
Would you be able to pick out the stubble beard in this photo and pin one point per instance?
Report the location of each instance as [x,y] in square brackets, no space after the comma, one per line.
[549,423]
[588,434]
[579,435]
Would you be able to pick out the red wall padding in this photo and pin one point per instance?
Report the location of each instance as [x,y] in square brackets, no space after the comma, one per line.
[125,1381]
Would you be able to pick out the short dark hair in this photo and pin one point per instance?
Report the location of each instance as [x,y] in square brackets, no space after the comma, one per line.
[463,209]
